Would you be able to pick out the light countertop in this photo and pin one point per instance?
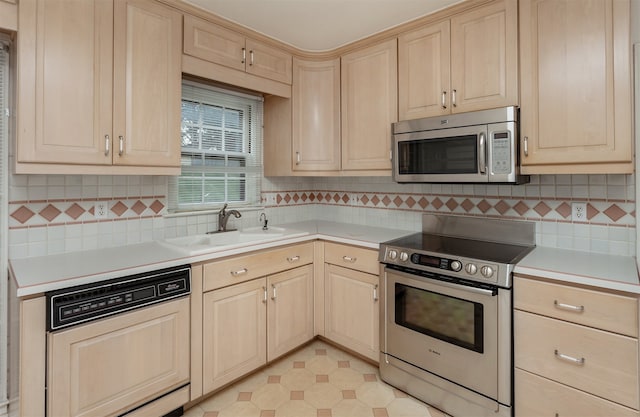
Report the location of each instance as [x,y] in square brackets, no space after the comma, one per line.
[37,275]
[611,272]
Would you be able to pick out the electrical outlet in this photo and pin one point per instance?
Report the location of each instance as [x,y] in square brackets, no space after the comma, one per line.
[579,212]
[101,210]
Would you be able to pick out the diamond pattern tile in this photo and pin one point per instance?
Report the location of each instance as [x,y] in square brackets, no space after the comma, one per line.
[50,212]
[138,207]
[74,211]
[337,389]
[23,214]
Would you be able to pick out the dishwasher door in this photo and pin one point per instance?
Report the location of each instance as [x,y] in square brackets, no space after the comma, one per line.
[110,366]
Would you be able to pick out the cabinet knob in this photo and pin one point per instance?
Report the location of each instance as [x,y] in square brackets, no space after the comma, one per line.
[292,259]
[107,144]
[444,99]
[453,98]
[349,259]
[525,141]
[120,145]
[244,55]
[239,272]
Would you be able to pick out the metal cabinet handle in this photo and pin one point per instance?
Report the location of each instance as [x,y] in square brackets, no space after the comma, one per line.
[568,358]
[251,57]
[349,259]
[121,145]
[526,145]
[482,158]
[273,289]
[375,293]
[264,289]
[293,259]
[444,99]
[297,158]
[239,272]
[453,98]
[107,143]
[244,55]
[562,306]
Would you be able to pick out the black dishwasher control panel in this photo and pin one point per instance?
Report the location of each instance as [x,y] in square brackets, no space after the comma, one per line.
[76,305]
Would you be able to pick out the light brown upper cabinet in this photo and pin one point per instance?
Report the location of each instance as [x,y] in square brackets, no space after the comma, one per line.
[369,106]
[316,115]
[214,43]
[576,86]
[99,87]
[466,63]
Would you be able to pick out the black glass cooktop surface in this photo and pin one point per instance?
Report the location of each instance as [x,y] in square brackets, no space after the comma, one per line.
[505,253]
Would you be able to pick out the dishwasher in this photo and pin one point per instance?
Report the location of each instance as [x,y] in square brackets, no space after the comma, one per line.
[120,347]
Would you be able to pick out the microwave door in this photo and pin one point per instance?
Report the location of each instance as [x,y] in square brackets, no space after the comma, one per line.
[444,156]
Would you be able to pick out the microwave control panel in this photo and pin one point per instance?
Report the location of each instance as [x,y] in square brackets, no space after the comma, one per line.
[501,153]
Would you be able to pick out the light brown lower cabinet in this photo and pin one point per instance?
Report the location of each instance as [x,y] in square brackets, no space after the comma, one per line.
[575,350]
[248,324]
[351,310]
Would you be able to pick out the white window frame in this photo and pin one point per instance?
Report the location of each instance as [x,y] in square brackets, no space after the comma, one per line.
[226,173]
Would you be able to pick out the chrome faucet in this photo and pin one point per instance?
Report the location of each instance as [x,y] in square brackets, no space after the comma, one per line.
[223,217]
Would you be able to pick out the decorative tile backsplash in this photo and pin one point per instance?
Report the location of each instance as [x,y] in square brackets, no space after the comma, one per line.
[53,214]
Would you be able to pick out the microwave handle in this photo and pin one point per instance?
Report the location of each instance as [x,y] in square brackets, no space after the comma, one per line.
[482,159]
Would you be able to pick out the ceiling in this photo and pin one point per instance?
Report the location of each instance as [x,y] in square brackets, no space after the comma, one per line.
[321,25]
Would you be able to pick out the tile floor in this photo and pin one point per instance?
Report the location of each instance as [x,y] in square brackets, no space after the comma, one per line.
[319,380]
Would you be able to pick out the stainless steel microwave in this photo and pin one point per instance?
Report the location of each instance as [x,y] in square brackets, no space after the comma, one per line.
[474,147]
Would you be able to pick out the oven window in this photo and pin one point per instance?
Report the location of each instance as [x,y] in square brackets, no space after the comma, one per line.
[452,155]
[453,320]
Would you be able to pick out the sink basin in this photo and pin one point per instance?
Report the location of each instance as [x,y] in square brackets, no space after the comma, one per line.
[199,244]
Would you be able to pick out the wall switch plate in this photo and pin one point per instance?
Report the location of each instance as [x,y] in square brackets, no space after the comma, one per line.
[101,210]
[579,212]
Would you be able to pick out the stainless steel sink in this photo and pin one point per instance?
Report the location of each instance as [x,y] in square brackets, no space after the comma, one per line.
[199,244]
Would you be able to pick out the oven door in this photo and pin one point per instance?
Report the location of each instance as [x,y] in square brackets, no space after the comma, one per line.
[445,155]
[446,329]
[110,366]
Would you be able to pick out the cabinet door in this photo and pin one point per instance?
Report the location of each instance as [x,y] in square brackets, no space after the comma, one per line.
[423,72]
[111,365]
[316,115]
[234,332]
[290,312]
[351,310]
[369,106]
[576,86]
[268,62]
[147,84]
[213,43]
[484,57]
[65,83]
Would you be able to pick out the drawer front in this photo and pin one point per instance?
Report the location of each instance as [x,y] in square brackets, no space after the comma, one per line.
[598,362]
[361,259]
[536,396]
[606,311]
[243,268]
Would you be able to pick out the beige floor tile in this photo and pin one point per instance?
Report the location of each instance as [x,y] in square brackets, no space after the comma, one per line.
[323,395]
[194,411]
[252,382]
[346,378]
[374,395]
[296,408]
[240,409]
[322,364]
[351,408]
[270,396]
[298,379]
[220,400]
[409,407]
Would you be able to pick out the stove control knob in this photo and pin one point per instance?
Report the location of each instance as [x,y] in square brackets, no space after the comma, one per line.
[486,271]
[404,256]
[393,254]
[471,269]
[456,266]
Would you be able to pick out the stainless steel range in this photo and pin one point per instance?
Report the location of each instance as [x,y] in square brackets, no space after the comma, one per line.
[446,331]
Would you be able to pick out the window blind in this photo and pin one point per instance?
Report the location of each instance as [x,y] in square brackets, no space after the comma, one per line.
[221,149]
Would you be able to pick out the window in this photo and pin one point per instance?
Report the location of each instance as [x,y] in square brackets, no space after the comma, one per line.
[221,140]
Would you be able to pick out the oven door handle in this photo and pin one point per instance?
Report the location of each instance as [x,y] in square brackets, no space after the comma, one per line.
[474,290]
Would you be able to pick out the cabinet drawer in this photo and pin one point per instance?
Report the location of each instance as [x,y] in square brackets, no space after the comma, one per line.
[536,396]
[606,311]
[551,348]
[243,268]
[365,260]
